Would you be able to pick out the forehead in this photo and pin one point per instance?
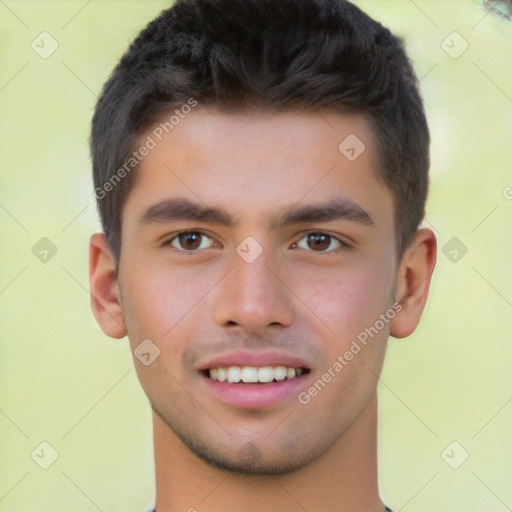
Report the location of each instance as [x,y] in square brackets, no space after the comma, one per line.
[254,163]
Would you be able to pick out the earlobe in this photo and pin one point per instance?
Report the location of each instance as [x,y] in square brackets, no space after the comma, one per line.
[103,280]
[413,282]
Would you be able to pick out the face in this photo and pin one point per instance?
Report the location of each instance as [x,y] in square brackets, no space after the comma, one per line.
[251,240]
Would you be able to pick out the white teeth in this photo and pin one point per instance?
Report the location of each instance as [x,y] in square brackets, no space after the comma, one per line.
[280,372]
[290,373]
[249,374]
[234,374]
[253,374]
[266,374]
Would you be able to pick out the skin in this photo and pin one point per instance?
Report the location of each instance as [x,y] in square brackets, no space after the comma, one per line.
[300,296]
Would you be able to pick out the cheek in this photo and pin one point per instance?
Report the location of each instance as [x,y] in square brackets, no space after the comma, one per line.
[159,304]
[347,300]
[158,301]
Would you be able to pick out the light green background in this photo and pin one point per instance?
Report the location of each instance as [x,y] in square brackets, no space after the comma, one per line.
[64,382]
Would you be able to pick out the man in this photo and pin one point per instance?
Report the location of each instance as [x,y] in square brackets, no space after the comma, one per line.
[261,170]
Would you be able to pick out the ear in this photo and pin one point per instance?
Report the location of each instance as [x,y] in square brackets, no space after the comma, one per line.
[103,279]
[413,282]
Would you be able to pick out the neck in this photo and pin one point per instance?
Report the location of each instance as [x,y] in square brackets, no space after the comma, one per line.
[344,479]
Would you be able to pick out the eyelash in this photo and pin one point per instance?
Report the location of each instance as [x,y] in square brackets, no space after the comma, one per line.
[343,245]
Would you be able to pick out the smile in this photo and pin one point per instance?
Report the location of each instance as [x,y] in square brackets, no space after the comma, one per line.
[253,374]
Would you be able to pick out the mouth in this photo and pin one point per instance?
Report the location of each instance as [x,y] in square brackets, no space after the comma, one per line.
[255,387]
[253,374]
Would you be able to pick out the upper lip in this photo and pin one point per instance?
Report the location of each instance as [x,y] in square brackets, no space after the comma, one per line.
[246,358]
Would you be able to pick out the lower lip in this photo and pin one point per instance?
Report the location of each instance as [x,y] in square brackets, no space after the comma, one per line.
[255,396]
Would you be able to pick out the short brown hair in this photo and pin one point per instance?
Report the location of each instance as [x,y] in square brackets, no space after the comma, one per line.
[280,54]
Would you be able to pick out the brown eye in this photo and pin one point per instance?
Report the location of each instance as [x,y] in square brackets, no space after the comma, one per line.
[189,241]
[319,242]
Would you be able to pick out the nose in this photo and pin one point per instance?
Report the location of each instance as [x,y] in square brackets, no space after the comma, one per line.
[254,296]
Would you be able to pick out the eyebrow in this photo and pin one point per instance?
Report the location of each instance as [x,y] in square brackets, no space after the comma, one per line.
[181,209]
